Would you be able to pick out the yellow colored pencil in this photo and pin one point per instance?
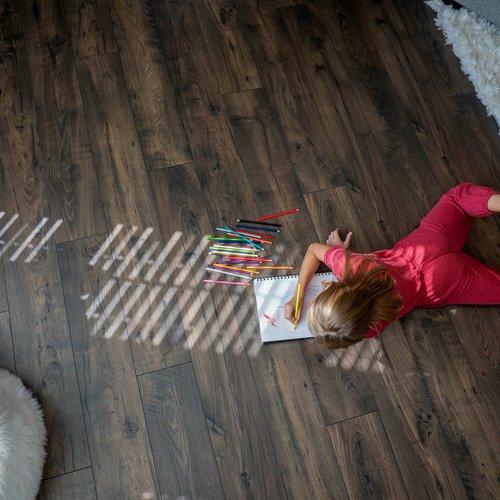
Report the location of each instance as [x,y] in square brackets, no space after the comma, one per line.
[296,307]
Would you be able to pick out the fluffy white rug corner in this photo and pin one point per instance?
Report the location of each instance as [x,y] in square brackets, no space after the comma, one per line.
[476,43]
[22,440]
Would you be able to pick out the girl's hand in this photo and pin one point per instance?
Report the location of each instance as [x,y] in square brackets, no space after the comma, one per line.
[289,310]
[335,240]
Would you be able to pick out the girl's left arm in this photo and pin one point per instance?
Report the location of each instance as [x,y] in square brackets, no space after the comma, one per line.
[314,257]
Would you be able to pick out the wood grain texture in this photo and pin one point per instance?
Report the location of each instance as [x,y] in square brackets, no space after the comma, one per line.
[405,401]
[194,114]
[44,357]
[70,180]
[456,403]
[316,162]
[230,401]
[227,45]
[365,457]
[154,102]
[115,144]
[179,435]
[123,180]
[7,361]
[308,462]
[346,370]
[89,22]
[119,445]
[78,484]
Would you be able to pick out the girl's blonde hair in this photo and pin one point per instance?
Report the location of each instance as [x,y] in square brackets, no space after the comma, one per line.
[342,314]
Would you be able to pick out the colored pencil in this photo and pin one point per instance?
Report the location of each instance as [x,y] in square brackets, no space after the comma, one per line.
[270,229]
[296,307]
[227,282]
[249,259]
[223,271]
[236,249]
[270,267]
[232,254]
[258,222]
[229,230]
[238,269]
[232,241]
[255,235]
[272,216]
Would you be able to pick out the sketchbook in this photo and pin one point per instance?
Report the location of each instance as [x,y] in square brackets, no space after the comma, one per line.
[271,293]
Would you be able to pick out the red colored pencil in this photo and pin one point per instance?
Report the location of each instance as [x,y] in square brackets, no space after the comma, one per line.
[278,215]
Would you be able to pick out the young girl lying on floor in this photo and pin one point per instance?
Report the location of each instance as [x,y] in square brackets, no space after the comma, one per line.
[427,268]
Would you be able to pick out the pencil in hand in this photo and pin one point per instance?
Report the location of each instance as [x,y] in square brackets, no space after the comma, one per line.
[296,307]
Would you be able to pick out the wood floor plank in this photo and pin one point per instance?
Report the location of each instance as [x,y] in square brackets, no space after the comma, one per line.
[475,328]
[115,143]
[78,484]
[44,356]
[365,457]
[119,445]
[357,87]
[70,179]
[308,462]
[154,103]
[351,395]
[230,401]
[457,403]
[13,58]
[317,163]
[271,177]
[227,46]
[431,54]
[396,185]
[3,292]
[90,25]
[7,361]
[124,186]
[179,435]
[405,401]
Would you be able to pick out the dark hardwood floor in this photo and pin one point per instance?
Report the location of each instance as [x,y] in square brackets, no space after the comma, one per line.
[130,130]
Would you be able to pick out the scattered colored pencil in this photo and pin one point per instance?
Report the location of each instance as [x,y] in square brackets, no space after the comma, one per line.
[230,247]
[224,271]
[238,269]
[269,267]
[232,254]
[258,222]
[255,235]
[272,216]
[232,241]
[229,230]
[296,307]
[249,259]
[227,282]
[270,229]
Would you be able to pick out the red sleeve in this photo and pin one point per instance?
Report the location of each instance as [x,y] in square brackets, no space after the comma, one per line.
[334,258]
[373,332]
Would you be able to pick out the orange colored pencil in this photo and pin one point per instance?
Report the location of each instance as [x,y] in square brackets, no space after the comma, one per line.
[269,267]
[239,269]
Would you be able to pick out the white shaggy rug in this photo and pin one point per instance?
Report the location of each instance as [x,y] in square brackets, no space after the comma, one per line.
[476,43]
[22,440]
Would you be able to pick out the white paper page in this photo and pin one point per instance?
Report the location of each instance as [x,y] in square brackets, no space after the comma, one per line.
[272,293]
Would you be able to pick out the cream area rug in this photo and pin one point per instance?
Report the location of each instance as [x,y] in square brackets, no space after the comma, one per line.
[476,43]
[22,440]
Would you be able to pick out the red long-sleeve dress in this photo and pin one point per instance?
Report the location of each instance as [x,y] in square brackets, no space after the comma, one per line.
[428,265]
